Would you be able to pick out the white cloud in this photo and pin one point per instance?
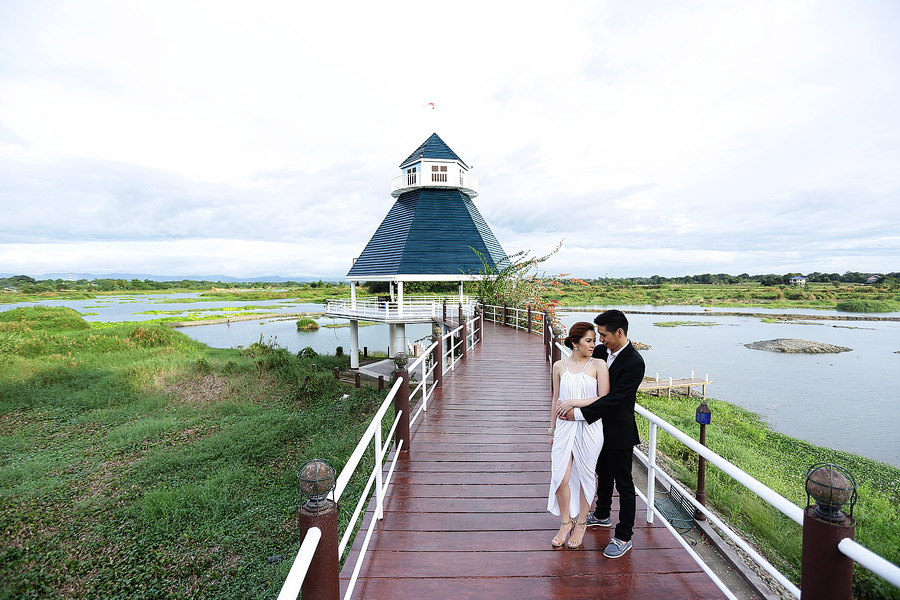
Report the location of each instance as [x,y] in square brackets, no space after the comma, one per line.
[670,139]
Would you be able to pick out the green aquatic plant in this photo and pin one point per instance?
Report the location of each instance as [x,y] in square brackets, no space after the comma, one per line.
[307,324]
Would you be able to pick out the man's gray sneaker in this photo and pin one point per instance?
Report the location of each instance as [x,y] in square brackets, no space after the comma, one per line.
[593,521]
[617,548]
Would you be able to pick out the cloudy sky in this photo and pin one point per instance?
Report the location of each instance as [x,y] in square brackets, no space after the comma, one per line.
[251,139]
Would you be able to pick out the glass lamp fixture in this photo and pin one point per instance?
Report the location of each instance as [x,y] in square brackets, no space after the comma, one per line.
[315,481]
[704,415]
[832,487]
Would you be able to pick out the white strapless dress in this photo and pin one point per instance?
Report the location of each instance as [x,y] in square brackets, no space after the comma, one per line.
[577,439]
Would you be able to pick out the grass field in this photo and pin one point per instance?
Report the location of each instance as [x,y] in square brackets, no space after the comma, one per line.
[136,463]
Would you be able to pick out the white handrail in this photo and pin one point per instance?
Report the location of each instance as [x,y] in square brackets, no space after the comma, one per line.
[759,559]
[294,581]
[352,462]
[693,554]
[873,562]
[372,434]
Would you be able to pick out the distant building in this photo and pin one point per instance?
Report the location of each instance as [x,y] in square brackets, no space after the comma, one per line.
[873,279]
[798,280]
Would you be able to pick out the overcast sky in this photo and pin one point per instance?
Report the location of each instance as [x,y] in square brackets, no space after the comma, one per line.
[251,139]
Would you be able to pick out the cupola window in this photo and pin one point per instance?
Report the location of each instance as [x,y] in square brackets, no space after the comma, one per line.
[439,173]
[411,176]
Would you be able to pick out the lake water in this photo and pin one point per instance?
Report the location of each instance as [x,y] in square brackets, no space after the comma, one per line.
[844,401]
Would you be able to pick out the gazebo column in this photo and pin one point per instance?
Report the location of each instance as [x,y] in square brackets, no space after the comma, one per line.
[354,342]
[392,333]
[353,296]
[399,342]
[400,298]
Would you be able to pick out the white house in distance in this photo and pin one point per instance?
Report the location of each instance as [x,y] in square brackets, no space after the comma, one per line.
[430,234]
[798,280]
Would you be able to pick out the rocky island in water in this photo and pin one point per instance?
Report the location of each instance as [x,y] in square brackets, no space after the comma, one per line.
[794,346]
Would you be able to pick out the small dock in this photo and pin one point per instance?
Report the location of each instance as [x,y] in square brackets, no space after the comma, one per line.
[466,514]
[658,385]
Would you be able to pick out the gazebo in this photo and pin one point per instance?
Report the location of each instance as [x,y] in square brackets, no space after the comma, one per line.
[430,234]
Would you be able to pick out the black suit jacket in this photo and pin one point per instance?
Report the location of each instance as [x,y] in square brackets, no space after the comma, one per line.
[617,407]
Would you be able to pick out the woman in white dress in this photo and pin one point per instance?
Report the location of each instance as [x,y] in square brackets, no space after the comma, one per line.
[575,445]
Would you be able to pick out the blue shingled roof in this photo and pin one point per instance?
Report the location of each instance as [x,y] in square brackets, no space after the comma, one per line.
[433,147]
[430,232]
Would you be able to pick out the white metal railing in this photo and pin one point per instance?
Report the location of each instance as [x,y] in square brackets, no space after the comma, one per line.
[515,317]
[421,365]
[466,182]
[373,434]
[452,354]
[848,547]
[412,307]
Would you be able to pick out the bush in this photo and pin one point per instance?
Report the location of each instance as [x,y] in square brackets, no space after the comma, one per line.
[867,306]
[306,324]
[155,336]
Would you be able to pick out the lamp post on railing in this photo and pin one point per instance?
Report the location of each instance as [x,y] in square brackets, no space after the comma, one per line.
[315,481]
[825,572]
[401,402]
[704,418]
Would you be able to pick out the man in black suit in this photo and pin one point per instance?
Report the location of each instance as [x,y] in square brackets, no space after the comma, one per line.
[620,434]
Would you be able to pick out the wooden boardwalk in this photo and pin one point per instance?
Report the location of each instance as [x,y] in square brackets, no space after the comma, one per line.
[466,513]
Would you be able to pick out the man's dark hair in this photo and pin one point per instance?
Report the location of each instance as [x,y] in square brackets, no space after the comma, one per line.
[612,320]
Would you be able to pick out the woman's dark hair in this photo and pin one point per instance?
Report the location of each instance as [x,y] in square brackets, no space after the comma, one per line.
[576,332]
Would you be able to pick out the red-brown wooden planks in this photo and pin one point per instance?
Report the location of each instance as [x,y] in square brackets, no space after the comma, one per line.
[466,514]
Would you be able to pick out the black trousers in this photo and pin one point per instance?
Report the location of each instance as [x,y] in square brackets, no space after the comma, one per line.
[614,467]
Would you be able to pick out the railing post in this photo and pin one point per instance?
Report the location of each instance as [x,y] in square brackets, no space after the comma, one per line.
[547,336]
[356,379]
[381,383]
[323,578]
[438,355]
[462,332]
[529,319]
[481,326]
[504,314]
[401,402]
[444,313]
[825,572]
[554,352]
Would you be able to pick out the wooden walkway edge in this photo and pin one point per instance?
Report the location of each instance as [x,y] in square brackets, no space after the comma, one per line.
[466,514]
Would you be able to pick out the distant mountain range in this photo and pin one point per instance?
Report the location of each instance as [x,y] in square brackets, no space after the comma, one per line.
[141,277]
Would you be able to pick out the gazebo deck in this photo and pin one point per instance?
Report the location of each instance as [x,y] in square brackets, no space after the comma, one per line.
[466,513]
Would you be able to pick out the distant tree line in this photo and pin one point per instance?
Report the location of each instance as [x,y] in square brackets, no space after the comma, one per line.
[28,285]
[743,278]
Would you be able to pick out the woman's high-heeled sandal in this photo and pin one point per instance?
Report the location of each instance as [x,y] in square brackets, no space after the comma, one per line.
[556,542]
[580,544]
